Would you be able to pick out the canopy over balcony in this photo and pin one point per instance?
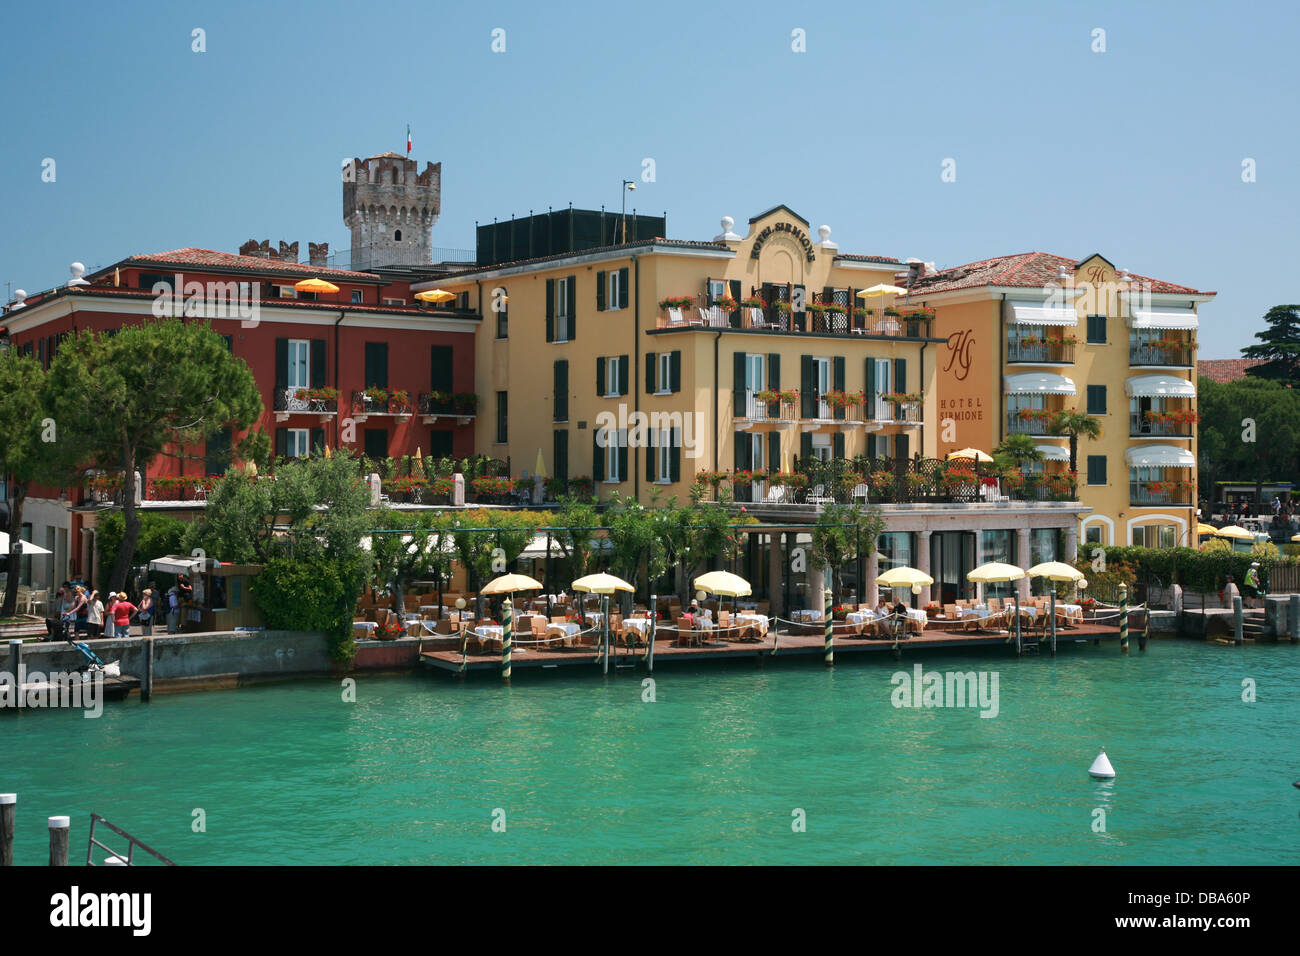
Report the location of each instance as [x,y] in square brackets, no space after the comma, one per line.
[1054,452]
[1036,313]
[1159,456]
[1038,383]
[1162,319]
[1159,386]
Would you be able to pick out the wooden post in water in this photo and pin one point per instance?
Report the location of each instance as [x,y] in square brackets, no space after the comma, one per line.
[1293,618]
[464,647]
[1123,619]
[1052,585]
[1237,636]
[15,668]
[8,804]
[1016,596]
[829,653]
[146,682]
[650,639]
[604,632]
[507,635]
[59,841]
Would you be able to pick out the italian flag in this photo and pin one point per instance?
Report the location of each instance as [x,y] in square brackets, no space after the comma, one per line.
[408,139]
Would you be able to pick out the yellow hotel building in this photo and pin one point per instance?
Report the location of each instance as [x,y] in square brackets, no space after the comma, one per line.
[1028,335]
[578,340]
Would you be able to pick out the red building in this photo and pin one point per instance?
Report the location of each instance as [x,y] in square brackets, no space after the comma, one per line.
[314,357]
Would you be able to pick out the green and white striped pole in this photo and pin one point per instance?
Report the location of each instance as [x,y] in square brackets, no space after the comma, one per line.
[830,631]
[650,638]
[1123,619]
[507,634]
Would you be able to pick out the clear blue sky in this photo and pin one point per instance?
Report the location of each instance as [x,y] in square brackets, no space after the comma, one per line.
[1135,153]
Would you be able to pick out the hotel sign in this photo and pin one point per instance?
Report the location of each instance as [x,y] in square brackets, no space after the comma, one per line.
[790,229]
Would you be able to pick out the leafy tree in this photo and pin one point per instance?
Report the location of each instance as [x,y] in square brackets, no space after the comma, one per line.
[575,517]
[160,535]
[837,536]
[1016,451]
[1072,422]
[1249,430]
[1279,346]
[636,534]
[399,559]
[122,399]
[478,549]
[694,536]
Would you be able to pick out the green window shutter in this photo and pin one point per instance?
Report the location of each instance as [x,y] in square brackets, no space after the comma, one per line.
[440,368]
[837,445]
[600,292]
[651,364]
[622,287]
[675,456]
[676,369]
[901,443]
[281,363]
[743,451]
[600,376]
[317,363]
[281,442]
[871,444]
[562,390]
[560,456]
[900,375]
[774,381]
[317,441]
[550,310]
[597,457]
[624,373]
[738,384]
[837,380]
[870,410]
[651,456]
[622,456]
[573,307]
[774,450]
[805,446]
[733,286]
[807,393]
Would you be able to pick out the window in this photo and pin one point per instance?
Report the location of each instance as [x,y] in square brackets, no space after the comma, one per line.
[440,443]
[664,379]
[376,364]
[502,412]
[297,443]
[376,443]
[501,306]
[286,292]
[1155,536]
[298,372]
[821,446]
[562,311]
[610,463]
[561,397]
[216,452]
[358,296]
[397,235]
[717,288]
[1096,330]
[1096,399]
[1096,469]
[1092,534]
[613,387]
[388,301]
[611,290]
[612,293]
[561,322]
[664,440]
[560,455]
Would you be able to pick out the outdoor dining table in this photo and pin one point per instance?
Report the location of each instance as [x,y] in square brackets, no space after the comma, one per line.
[566,631]
[806,614]
[490,632]
[1072,612]
[757,620]
[367,626]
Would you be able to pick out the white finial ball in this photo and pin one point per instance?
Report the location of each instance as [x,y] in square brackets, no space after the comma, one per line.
[76,269]
[824,232]
[916,589]
[20,294]
[727,223]
[1083,584]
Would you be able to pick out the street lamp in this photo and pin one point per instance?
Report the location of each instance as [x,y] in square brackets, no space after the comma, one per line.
[628,186]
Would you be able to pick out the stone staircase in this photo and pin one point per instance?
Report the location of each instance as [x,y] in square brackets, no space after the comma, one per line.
[1252,624]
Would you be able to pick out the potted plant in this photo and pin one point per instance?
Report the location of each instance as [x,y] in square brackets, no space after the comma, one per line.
[753,302]
[726,303]
[467,401]
[398,401]
[375,395]
[675,302]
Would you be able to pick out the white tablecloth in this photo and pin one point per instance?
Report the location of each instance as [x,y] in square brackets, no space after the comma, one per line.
[489,630]
[861,617]
[566,630]
[640,624]
[367,626]
[1074,611]
[759,620]
[806,614]
[1027,610]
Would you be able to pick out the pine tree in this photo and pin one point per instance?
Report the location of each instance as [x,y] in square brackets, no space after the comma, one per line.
[1281,345]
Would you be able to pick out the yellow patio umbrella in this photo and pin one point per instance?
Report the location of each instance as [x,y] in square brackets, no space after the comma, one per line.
[904,577]
[540,470]
[996,572]
[1203,528]
[315,285]
[880,291]
[1235,531]
[723,584]
[601,584]
[510,583]
[973,453]
[1055,571]
[435,295]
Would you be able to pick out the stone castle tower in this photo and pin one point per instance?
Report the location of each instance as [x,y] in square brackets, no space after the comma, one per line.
[391,207]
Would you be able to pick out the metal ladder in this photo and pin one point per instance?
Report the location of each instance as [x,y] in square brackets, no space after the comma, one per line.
[132,843]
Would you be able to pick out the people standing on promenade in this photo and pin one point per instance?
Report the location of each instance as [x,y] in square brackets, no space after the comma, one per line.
[1251,584]
[94,615]
[122,612]
[67,612]
[80,610]
[146,612]
[173,610]
[110,622]
[185,589]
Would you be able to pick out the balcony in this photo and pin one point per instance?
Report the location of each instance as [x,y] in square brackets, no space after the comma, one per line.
[1149,493]
[894,413]
[380,402]
[1030,421]
[1040,352]
[435,405]
[772,318]
[322,402]
[755,413]
[1161,424]
[1168,355]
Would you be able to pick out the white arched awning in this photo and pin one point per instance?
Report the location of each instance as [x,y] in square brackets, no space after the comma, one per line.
[1162,319]
[1159,456]
[1054,452]
[1159,386]
[1038,383]
[1040,313]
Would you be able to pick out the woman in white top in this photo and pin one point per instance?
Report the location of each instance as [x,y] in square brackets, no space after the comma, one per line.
[95,615]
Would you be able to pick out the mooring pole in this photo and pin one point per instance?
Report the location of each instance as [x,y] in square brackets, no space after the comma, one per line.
[146,683]
[8,804]
[464,647]
[59,840]
[830,631]
[15,668]
[1016,597]
[1293,618]
[507,633]
[650,640]
[1052,585]
[1123,619]
[604,632]
[1237,636]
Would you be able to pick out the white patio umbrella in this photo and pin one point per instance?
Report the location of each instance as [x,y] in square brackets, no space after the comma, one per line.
[996,572]
[25,548]
[1055,571]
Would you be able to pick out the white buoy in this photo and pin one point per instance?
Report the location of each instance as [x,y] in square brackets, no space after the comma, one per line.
[1101,768]
[115,861]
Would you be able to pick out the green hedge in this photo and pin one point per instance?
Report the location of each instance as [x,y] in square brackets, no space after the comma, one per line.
[1193,569]
[160,535]
[310,594]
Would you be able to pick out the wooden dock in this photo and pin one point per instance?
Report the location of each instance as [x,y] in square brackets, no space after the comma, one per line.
[786,645]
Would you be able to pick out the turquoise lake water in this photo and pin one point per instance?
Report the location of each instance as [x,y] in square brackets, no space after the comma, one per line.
[711,772]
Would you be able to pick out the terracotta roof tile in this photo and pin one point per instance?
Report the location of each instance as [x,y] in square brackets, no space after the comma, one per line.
[1225,370]
[1026,270]
[191,256]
